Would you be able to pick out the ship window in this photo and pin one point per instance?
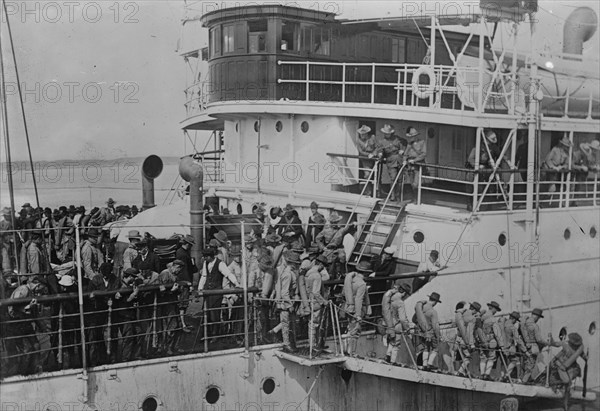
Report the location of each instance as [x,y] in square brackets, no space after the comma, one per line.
[304,126]
[212,395]
[279,126]
[289,36]
[257,35]
[567,234]
[320,41]
[239,209]
[149,404]
[228,38]
[399,50]
[268,385]
[215,41]
[592,329]
[593,232]
[502,239]
[419,237]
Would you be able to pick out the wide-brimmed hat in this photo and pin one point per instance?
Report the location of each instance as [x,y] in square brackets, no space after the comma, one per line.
[6,211]
[494,304]
[575,340]
[248,238]
[406,288]
[538,312]
[364,129]
[221,236]
[595,145]
[475,305]
[412,132]
[133,234]
[435,297]
[390,250]
[272,238]
[491,136]
[26,205]
[335,217]
[515,315]
[189,239]
[275,212]
[131,271]
[322,259]
[364,266]
[214,243]
[314,204]
[110,201]
[66,280]
[178,262]
[565,141]
[288,208]
[387,129]
[318,219]
[291,257]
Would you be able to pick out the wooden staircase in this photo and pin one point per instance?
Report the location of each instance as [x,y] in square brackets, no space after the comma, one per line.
[379,230]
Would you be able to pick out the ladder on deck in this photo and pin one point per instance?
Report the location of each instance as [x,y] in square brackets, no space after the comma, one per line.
[379,230]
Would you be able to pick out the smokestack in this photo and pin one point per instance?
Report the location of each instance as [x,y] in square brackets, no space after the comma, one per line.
[191,171]
[151,168]
[579,27]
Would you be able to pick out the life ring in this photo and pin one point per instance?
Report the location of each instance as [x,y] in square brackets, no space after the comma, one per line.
[420,90]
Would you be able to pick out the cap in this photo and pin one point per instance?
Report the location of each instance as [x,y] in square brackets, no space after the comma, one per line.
[390,250]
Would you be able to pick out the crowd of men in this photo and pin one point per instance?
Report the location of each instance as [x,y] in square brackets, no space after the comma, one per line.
[138,310]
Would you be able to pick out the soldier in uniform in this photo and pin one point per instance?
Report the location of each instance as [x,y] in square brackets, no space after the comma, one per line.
[316,222]
[190,271]
[130,254]
[532,337]
[429,324]
[367,147]
[290,227]
[317,298]
[490,340]
[513,346]
[563,367]
[395,318]
[172,301]
[6,240]
[91,256]
[391,151]
[285,292]
[415,153]
[464,344]
[357,303]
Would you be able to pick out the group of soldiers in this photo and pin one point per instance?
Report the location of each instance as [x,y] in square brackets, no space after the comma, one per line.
[36,237]
[516,346]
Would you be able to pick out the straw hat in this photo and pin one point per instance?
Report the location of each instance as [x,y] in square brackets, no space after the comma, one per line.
[364,129]
[66,280]
[387,129]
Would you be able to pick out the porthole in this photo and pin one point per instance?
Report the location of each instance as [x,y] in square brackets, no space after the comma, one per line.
[419,237]
[346,375]
[304,127]
[592,329]
[502,239]
[268,385]
[150,404]
[279,126]
[239,209]
[212,395]
[567,234]
[257,126]
[593,232]
[562,334]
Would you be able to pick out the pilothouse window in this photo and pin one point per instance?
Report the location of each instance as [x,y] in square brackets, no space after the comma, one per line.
[289,34]
[257,35]
[228,39]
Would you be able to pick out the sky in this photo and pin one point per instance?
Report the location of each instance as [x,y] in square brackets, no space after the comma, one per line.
[104,79]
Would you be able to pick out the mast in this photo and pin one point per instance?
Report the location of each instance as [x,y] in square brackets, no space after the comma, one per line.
[4,117]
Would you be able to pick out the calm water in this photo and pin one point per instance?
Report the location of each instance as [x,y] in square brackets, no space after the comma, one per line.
[84,183]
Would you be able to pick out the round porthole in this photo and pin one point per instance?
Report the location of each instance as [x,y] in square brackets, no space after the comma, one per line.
[268,385]
[304,126]
[593,232]
[239,209]
[592,329]
[419,237]
[562,334]
[149,404]
[567,234]
[502,239]
[257,126]
[346,375]
[279,126]
[212,395]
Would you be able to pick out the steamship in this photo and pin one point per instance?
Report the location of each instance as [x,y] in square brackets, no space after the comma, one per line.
[283,91]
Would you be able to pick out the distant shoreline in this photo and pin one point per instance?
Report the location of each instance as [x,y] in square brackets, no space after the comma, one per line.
[169,160]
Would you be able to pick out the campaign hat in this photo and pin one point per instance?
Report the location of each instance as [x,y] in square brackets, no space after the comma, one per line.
[538,312]
[364,129]
[435,297]
[494,304]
